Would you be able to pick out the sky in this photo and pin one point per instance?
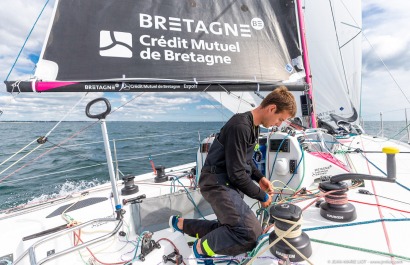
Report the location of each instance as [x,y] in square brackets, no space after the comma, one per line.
[385,36]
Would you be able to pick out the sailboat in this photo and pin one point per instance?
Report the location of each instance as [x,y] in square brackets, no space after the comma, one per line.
[341,195]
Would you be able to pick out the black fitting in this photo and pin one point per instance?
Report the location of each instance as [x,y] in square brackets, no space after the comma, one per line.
[365,192]
[318,203]
[161,177]
[137,199]
[129,187]
[41,140]
[173,257]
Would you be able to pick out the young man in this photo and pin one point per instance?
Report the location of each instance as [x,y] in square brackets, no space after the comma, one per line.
[228,174]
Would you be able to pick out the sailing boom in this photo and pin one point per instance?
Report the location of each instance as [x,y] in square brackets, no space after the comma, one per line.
[119,86]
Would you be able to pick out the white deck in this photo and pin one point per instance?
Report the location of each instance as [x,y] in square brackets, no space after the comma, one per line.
[389,236]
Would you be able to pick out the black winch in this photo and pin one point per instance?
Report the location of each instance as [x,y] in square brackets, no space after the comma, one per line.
[161,177]
[336,207]
[298,239]
[129,187]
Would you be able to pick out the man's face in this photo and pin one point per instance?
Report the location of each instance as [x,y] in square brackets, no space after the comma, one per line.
[272,118]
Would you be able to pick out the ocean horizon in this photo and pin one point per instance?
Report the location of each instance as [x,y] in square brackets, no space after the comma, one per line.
[73,157]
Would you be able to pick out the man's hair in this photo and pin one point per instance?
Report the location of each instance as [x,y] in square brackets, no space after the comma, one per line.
[283,99]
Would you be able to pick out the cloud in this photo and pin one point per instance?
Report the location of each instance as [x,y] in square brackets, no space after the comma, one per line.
[385,59]
[385,35]
[208,107]
[18,18]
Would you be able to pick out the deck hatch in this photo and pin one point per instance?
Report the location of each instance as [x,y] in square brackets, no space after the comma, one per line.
[78,205]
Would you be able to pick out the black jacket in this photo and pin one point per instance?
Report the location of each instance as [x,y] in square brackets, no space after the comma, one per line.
[238,138]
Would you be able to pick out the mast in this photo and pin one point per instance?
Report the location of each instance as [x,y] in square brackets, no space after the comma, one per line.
[306,62]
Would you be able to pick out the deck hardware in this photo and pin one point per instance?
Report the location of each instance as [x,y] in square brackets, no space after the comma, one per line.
[173,257]
[147,245]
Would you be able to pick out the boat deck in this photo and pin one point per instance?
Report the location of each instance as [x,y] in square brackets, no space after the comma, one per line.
[377,236]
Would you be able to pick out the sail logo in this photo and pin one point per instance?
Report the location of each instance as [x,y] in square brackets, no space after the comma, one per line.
[198,26]
[115,44]
[257,23]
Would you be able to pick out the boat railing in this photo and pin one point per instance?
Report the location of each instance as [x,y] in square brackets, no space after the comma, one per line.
[381,132]
[31,250]
[407,128]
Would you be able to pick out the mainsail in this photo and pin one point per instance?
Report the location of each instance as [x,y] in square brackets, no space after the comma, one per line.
[335,54]
[173,45]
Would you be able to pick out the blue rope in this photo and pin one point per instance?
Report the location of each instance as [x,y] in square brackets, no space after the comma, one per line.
[374,164]
[357,223]
[404,187]
[262,236]
[398,183]
[29,34]
[192,200]
[173,182]
[136,248]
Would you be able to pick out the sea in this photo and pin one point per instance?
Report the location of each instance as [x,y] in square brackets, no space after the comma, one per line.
[73,157]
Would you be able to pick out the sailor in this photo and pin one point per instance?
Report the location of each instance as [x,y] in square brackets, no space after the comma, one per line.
[228,174]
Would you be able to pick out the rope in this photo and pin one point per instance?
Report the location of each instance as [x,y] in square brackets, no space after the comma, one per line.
[35,159]
[58,123]
[404,187]
[282,237]
[170,152]
[22,149]
[44,137]
[54,173]
[190,198]
[1,180]
[384,173]
[295,233]
[136,248]
[387,69]
[137,96]
[336,199]
[28,36]
[399,132]
[354,224]
[70,221]
[99,164]
[131,138]
[216,107]
[360,249]
[386,234]
[293,175]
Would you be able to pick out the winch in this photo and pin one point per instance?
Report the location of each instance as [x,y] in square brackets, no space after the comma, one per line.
[285,216]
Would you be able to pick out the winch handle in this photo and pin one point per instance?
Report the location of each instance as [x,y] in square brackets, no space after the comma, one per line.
[391,161]
[390,165]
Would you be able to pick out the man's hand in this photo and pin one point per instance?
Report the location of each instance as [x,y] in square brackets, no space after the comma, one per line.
[266,186]
[268,202]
